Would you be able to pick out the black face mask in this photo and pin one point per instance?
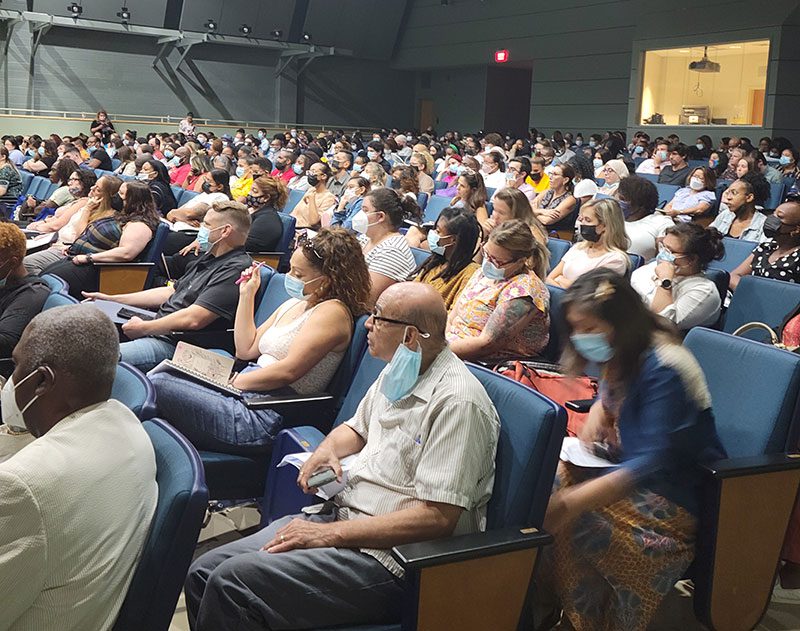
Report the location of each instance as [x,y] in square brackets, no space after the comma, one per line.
[313,180]
[333,164]
[589,233]
[252,202]
[280,165]
[117,202]
[536,176]
[206,187]
[772,227]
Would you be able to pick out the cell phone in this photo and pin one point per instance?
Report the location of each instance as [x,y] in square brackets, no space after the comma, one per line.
[579,405]
[321,478]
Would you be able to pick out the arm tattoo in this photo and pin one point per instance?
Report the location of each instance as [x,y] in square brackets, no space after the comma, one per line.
[508,318]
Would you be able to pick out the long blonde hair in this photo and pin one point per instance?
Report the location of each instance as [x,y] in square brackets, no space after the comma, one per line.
[515,236]
[610,215]
[521,209]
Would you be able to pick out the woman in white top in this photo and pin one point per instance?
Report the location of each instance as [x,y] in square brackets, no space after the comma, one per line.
[127,160]
[388,255]
[613,172]
[674,285]
[297,350]
[317,200]
[739,214]
[604,244]
[301,167]
[638,199]
[695,199]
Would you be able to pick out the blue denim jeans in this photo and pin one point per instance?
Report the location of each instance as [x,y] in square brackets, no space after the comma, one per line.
[213,420]
[147,352]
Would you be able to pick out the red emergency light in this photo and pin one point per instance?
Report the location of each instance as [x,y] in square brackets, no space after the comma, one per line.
[501,56]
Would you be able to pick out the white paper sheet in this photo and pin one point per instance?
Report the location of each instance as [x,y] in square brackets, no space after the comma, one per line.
[573,450]
[326,491]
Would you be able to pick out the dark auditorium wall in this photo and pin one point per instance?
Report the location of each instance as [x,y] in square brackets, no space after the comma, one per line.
[584,53]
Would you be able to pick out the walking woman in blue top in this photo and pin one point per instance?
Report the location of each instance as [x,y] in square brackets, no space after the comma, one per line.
[625,535]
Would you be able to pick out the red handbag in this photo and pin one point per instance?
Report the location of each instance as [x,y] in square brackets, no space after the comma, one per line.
[555,386]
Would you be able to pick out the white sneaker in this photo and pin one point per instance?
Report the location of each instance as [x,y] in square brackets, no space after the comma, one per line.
[785,596]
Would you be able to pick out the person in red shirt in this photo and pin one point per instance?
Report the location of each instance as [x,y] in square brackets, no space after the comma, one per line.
[179,166]
[283,166]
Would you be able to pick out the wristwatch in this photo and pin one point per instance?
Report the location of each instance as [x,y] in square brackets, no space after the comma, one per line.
[88,258]
[665,283]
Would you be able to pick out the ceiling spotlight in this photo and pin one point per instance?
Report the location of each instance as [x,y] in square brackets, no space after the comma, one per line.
[75,9]
[306,36]
[245,29]
[277,34]
[124,15]
[211,25]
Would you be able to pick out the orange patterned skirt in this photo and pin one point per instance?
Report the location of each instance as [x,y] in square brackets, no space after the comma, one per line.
[612,567]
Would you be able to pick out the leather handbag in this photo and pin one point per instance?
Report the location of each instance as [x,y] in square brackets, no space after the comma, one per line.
[560,388]
[774,340]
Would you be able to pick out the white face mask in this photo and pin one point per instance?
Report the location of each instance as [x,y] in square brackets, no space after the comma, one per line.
[12,415]
[696,184]
[361,222]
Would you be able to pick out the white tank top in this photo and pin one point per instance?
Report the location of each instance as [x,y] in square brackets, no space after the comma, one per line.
[274,346]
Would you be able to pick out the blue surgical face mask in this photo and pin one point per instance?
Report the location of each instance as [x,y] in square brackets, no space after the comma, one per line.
[665,255]
[402,372]
[358,168]
[593,347]
[625,206]
[597,163]
[372,155]
[296,287]
[41,152]
[639,149]
[111,151]
[297,169]
[491,271]
[168,153]
[700,146]
[592,144]
[785,160]
[433,243]
[239,171]
[203,238]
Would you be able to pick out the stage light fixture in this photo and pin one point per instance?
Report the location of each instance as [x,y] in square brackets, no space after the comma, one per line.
[277,34]
[75,9]
[245,29]
[306,36]
[211,25]
[124,15]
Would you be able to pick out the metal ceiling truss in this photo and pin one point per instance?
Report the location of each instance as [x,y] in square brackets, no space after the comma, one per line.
[168,39]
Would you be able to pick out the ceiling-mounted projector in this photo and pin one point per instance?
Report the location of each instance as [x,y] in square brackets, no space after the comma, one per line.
[705,64]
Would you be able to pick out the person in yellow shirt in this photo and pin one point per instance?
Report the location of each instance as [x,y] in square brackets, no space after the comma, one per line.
[538,179]
[252,169]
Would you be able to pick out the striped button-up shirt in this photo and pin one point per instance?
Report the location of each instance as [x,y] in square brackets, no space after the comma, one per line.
[437,444]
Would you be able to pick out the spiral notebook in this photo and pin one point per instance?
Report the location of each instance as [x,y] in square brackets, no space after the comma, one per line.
[199,364]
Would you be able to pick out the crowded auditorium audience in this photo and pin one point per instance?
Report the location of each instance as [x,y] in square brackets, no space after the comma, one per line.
[589,253]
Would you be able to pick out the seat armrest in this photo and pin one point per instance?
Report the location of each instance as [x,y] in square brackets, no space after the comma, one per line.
[415,556]
[201,332]
[755,465]
[269,401]
[121,264]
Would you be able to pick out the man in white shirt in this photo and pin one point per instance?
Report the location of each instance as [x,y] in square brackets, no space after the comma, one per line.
[76,503]
[425,435]
[652,166]
[492,170]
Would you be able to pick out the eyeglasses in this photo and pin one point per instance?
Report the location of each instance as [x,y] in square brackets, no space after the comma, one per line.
[308,244]
[493,260]
[377,318]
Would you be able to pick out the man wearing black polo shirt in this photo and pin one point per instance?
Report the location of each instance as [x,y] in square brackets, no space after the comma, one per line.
[677,170]
[204,299]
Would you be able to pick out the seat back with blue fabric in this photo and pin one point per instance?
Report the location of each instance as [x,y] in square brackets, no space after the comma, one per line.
[422,200]
[288,224]
[27,180]
[436,205]
[665,192]
[134,390]
[294,198]
[552,352]
[420,255]
[153,252]
[438,185]
[635,260]
[58,300]
[776,194]
[273,297]
[40,187]
[531,430]
[647,176]
[177,192]
[736,251]
[754,391]
[115,163]
[56,284]
[490,192]
[695,164]
[167,553]
[558,248]
[186,196]
[721,280]
[758,299]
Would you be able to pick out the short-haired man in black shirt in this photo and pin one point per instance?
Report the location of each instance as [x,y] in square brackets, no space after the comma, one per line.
[204,299]
[98,158]
[677,170]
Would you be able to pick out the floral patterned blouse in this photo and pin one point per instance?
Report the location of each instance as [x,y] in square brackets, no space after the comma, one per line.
[478,303]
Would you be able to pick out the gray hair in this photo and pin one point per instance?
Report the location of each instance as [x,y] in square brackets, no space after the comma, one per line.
[78,340]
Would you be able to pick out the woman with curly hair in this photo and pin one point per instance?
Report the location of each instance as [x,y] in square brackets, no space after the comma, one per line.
[296,351]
